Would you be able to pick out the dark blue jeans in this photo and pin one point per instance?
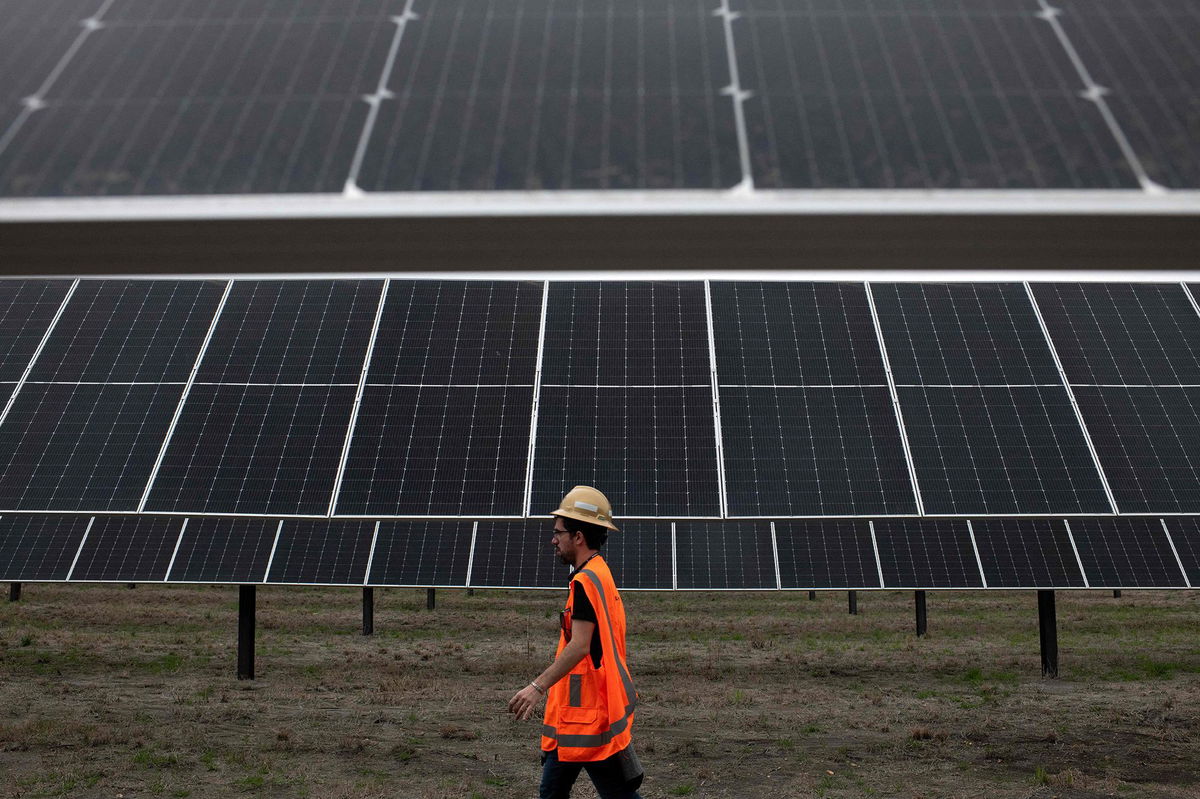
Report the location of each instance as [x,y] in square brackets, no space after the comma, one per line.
[558,777]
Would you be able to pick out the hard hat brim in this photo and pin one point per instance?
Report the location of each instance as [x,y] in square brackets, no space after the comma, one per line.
[581,517]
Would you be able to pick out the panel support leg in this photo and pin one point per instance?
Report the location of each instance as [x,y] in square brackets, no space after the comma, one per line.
[922,618]
[852,596]
[368,611]
[1048,630]
[812,595]
[245,657]
[14,592]
[131,586]
[430,598]
[1117,594]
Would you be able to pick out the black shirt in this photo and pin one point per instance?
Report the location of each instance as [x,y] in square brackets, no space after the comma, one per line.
[583,611]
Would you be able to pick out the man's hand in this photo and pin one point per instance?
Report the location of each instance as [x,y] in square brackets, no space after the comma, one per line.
[524,702]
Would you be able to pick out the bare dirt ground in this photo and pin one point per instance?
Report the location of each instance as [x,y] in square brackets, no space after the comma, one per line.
[110,692]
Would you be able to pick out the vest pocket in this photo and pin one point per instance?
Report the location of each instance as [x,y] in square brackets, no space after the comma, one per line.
[578,715]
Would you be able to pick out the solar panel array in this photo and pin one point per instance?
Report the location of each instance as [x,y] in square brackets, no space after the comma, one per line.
[751,435]
[150,97]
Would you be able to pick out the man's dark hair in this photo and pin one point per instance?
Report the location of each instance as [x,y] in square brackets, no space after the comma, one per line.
[594,534]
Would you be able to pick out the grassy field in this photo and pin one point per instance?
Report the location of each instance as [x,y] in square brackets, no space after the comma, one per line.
[111,692]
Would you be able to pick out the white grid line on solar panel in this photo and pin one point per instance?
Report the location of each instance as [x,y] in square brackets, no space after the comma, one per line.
[875,548]
[82,543]
[274,549]
[28,303]
[1178,560]
[358,395]
[887,368]
[975,549]
[1095,93]
[674,559]
[33,359]
[175,551]
[737,95]
[371,556]
[187,390]
[527,500]
[471,554]
[1140,83]
[1075,549]
[1087,436]
[716,397]
[1010,49]
[37,100]
[179,88]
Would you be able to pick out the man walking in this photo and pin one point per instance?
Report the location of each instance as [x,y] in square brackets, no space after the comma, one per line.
[589,715]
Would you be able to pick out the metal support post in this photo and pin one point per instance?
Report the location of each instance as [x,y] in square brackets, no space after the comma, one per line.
[131,586]
[430,598]
[1117,594]
[922,618]
[853,598]
[245,656]
[14,592]
[812,595]
[1048,633]
[368,611]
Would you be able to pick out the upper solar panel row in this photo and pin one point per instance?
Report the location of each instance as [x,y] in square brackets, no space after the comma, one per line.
[680,398]
[785,554]
[128,97]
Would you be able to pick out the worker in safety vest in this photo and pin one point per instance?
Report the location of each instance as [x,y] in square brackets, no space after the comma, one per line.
[589,714]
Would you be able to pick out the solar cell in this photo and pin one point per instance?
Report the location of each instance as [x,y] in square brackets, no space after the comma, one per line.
[224,550]
[517,555]
[322,552]
[826,553]
[1185,534]
[1145,54]
[575,94]
[917,95]
[27,307]
[292,331]
[422,554]
[962,333]
[265,99]
[129,330]
[721,555]
[1148,440]
[1026,553]
[254,449]
[458,331]
[626,334]
[82,447]
[640,555]
[652,451]
[1122,333]
[794,334]
[34,35]
[813,452]
[1000,450]
[438,450]
[1126,552]
[128,549]
[37,548]
[926,553]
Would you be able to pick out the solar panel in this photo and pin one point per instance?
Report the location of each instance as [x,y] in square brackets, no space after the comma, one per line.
[128,549]
[37,548]
[292,331]
[1000,450]
[1185,535]
[33,37]
[516,555]
[826,553]
[1145,55]
[917,95]
[571,94]
[82,447]
[1148,439]
[1026,553]
[422,554]
[1126,552]
[641,555]
[926,553]
[322,552]
[129,330]
[651,450]
[437,451]
[224,550]
[720,555]
[27,307]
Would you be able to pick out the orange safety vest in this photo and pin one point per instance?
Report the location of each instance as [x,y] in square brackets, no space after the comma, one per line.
[589,713]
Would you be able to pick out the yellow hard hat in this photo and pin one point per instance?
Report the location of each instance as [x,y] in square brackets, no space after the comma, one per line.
[586,504]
